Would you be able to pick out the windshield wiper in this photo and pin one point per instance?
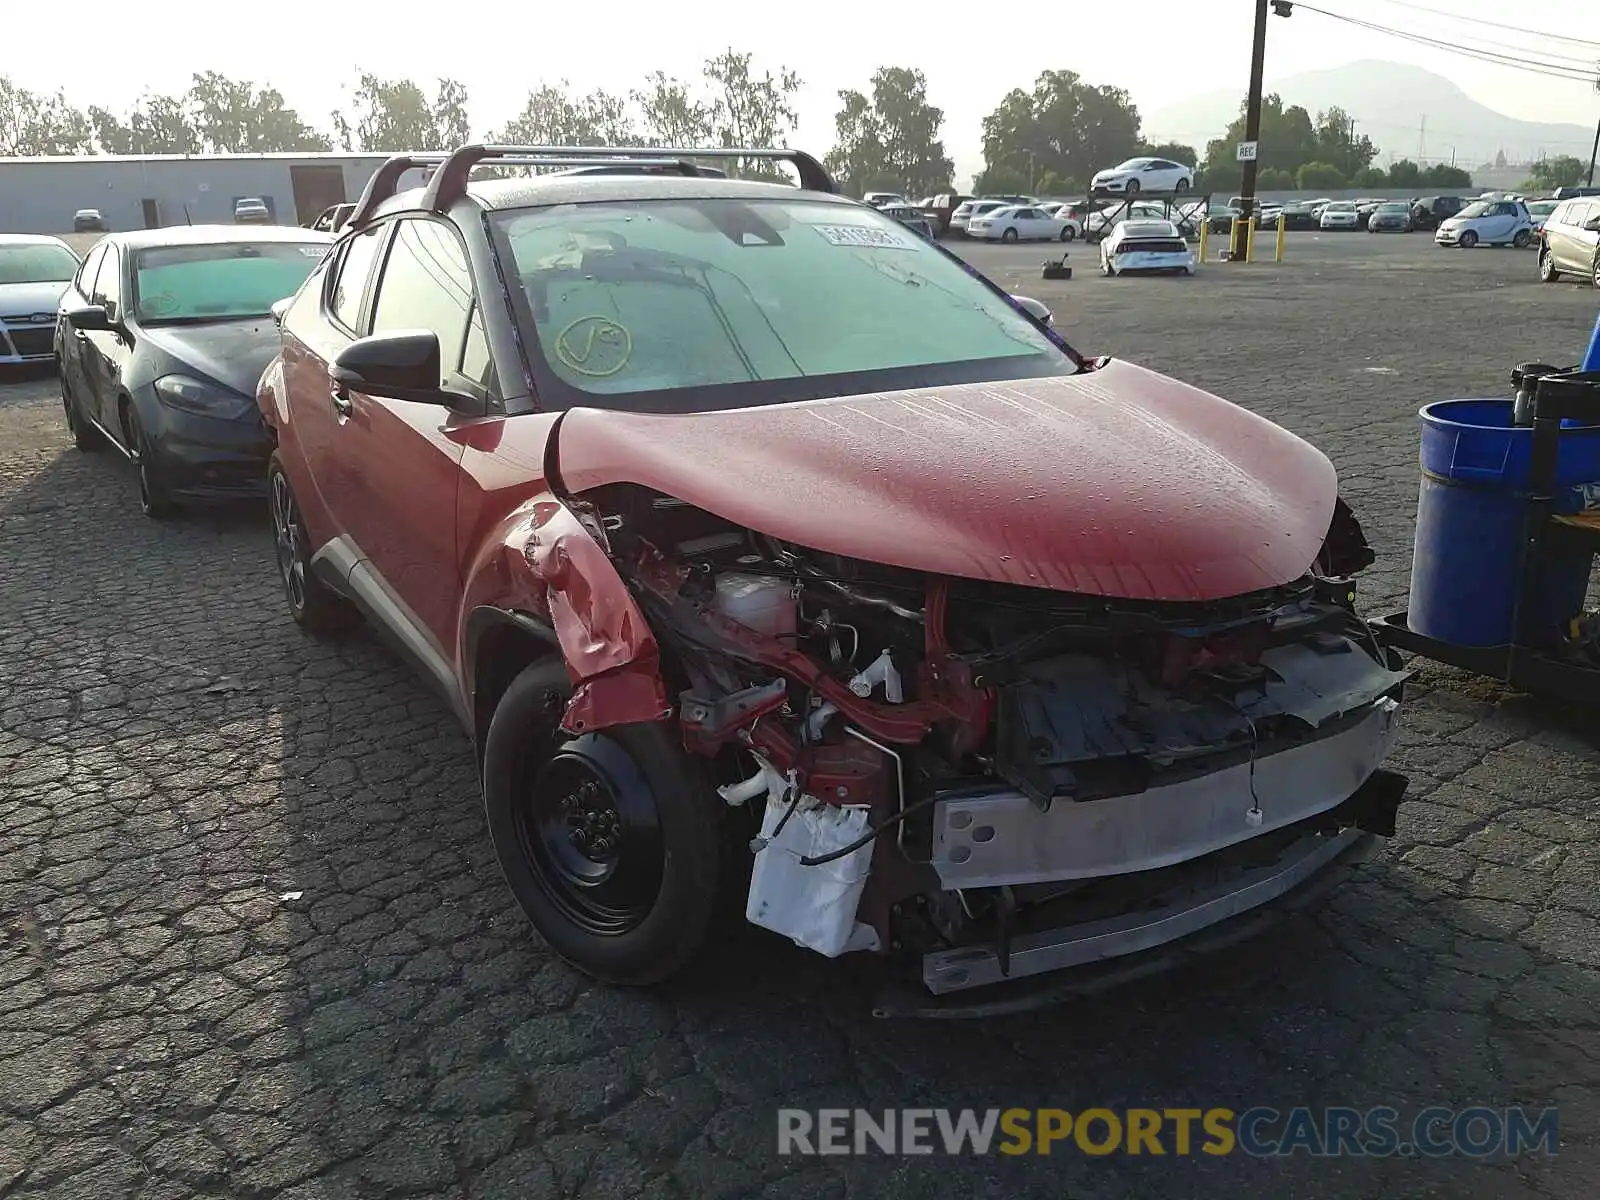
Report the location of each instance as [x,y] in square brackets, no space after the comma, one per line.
[205,318]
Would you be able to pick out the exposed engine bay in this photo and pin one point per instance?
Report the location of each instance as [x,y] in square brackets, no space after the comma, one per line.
[985,780]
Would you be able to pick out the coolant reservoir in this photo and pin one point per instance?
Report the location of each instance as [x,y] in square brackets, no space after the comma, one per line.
[759,602]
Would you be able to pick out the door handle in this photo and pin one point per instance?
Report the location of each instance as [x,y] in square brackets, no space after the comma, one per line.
[341,402]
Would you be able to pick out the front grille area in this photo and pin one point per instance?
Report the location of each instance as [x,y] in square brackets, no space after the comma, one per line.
[31,343]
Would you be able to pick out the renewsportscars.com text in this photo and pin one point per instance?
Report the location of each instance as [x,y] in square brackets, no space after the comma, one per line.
[1477,1132]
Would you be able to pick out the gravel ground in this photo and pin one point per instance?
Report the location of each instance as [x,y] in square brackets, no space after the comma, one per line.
[253,943]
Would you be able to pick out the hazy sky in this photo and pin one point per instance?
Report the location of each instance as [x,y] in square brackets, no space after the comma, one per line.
[1163,52]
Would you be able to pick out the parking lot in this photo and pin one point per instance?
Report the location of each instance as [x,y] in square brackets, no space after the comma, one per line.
[253,942]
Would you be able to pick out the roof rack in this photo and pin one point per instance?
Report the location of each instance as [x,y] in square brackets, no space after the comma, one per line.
[449,182]
[385,182]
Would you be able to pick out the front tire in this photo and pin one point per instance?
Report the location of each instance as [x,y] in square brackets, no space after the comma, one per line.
[84,435]
[1468,240]
[1132,189]
[611,842]
[154,499]
[314,606]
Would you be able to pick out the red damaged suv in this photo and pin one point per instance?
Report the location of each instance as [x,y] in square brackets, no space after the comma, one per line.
[767,550]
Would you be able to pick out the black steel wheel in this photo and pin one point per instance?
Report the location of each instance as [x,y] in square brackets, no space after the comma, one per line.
[313,606]
[610,841]
[154,500]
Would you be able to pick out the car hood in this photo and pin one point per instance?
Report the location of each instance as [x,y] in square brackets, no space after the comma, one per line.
[25,299]
[234,353]
[1117,482]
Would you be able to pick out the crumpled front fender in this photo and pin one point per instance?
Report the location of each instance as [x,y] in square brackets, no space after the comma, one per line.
[543,562]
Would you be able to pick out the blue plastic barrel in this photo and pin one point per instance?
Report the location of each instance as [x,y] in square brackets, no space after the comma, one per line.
[1470,514]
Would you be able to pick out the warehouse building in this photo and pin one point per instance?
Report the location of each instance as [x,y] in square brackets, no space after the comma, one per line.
[39,195]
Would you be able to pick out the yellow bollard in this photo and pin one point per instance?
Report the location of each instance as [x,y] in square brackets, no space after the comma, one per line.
[1204,225]
[1233,237]
[1279,256]
[1250,242]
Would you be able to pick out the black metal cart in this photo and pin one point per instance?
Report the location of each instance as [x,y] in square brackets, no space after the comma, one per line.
[1569,669]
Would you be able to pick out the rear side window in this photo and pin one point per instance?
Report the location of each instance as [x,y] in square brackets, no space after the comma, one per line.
[350,283]
[426,284]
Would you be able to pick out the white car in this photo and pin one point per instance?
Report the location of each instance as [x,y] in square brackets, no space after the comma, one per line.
[1539,211]
[34,272]
[968,209]
[879,199]
[1340,214]
[1101,221]
[1493,222]
[1146,246]
[1143,175]
[1021,223]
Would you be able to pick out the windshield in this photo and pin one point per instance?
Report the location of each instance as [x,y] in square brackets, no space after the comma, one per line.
[219,282]
[1394,208]
[681,306]
[1340,206]
[38,262]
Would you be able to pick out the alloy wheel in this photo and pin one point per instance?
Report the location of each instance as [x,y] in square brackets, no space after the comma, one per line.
[286,535]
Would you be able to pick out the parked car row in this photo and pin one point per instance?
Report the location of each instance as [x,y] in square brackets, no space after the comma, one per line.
[618,517]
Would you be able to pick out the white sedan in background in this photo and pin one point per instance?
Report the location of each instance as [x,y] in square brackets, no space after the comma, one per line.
[1021,223]
[1340,214]
[1146,246]
[1143,175]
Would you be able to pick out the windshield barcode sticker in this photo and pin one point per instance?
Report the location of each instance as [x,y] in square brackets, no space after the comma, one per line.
[865,235]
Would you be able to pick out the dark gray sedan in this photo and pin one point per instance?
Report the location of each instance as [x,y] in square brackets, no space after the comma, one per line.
[1390,218]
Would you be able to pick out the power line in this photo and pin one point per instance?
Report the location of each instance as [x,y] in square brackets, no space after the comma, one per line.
[1514,62]
[1455,16]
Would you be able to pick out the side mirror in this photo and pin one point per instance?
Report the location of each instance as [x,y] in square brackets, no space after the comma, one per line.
[88,318]
[1592,224]
[1034,308]
[403,365]
[278,310]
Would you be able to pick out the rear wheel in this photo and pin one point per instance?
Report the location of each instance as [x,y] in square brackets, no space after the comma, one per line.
[314,606]
[1181,186]
[1522,239]
[1468,240]
[611,842]
[1009,235]
[1067,233]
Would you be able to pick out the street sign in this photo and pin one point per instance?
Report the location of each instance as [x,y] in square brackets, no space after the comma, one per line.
[1247,151]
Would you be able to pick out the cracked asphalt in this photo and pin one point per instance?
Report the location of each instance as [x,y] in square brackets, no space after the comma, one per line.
[253,943]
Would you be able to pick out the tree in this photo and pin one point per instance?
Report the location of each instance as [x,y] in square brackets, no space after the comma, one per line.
[1337,145]
[33,124]
[747,110]
[1561,171]
[231,116]
[1319,177]
[552,117]
[892,140]
[394,116]
[1287,141]
[1275,179]
[156,125]
[1063,126]
[1369,177]
[671,114]
[1443,175]
[1404,173]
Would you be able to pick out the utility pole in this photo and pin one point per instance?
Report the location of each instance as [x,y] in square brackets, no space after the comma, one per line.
[1594,150]
[1252,136]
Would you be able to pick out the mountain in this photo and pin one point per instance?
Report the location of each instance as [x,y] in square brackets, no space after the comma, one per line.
[1395,104]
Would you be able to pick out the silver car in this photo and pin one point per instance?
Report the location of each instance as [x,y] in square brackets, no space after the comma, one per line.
[1569,243]
[34,272]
